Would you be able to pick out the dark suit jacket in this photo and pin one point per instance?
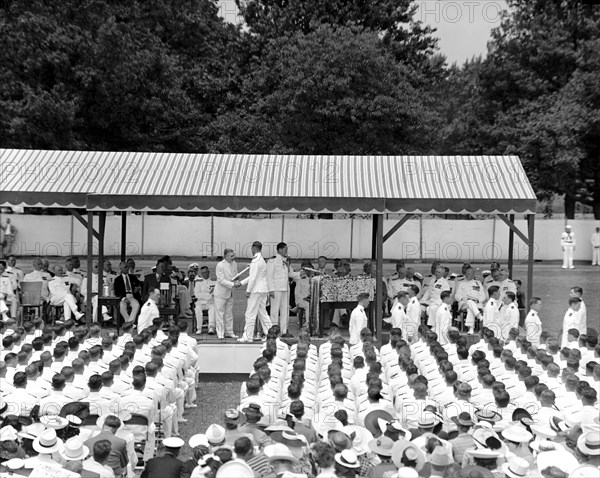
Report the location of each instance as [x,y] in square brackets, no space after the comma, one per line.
[120,289]
[163,467]
[150,282]
[118,458]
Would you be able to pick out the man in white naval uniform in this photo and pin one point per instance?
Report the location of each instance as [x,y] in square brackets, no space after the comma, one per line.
[509,315]
[595,240]
[571,319]
[491,311]
[567,242]
[203,291]
[470,296]
[279,272]
[431,299]
[443,317]
[533,324]
[149,311]
[226,271]
[398,282]
[256,291]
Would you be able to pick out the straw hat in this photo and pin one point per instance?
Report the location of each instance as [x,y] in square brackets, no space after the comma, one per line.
[406,448]
[542,431]
[488,415]
[197,440]
[541,446]
[563,460]
[54,421]
[589,443]
[47,443]
[517,433]
[484,453]
[463,419]
[372,421]
[516,467]
[382,446]
[583,471]
[74,449]
[278,451]
[440,457]
[215,434]
[30,432]
[361,438]
[348,459]
[235,469]
[406,472]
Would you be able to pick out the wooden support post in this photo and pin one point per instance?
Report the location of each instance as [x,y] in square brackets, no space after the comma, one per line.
[102,224]
[397,226]
[531,250]
[511,245]
[89,310]
[123,234]
[378,304]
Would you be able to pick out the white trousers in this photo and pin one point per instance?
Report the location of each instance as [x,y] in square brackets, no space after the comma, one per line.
[95,309]
[224,316]
[432,311]
[472,313]
[568,257]
[69,305]
[280,310]
[257,307]
[135,308]
[595,256]
[200,308]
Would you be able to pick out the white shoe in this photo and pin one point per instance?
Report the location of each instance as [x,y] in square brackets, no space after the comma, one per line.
[243,340]
[191,405]
[564,267]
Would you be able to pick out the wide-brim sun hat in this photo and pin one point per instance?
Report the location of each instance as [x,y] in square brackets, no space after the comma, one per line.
[543,445]
[361,438]
[382,446]
[54,421]
[516,467]
[517,434]
[235,469]
[348,459]
[372,421]
[563,460]
[589,443]
[412,451]
[279,452]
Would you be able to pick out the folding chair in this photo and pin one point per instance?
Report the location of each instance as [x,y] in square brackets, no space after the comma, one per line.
[137,423]
[31,299]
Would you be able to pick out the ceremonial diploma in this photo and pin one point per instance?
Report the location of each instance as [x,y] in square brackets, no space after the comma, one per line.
[240,273]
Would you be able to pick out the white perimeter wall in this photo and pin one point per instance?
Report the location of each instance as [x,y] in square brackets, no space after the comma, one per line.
[449,240]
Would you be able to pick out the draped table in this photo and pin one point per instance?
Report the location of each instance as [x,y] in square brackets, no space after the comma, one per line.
[329,293]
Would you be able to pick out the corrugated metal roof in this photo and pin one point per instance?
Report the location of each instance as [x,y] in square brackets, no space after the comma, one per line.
[171,181]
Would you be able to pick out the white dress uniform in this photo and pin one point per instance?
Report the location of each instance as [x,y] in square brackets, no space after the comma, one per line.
[533,327]
[509,319]
[223,295]
[470,295]
[397,284]
[148,313]
[7,295]
[205,301]
[278,274]
[398,316]
[18,273]
[491,316]
[83,291]
[413,314]
[582,314]
[432,298]
[570,321]
[443,321]
[258,289]
[39,276]
[595,240]
[567,242]
[358,321]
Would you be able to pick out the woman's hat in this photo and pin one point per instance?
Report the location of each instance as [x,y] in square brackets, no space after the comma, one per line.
[74,449]
[382,445]
[405,448]
[428,420]
[517,433]
[516,467]
[463,419]
[234,416]
[54,421]
[542,431]
[47,442]
[543,445]
[589,443]
[339,440]
[563,460]
[520,414]
[440,457]
[488,415]
[348,459]
[293,439]
[360,438]
[235,469]
[32,431]
[253,409]
[197,440]
[484,453]
[14,463]
[372,421]
[558,425]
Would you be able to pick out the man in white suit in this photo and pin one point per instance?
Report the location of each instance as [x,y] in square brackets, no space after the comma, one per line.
[256,293]
[223,293]
[279,272]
